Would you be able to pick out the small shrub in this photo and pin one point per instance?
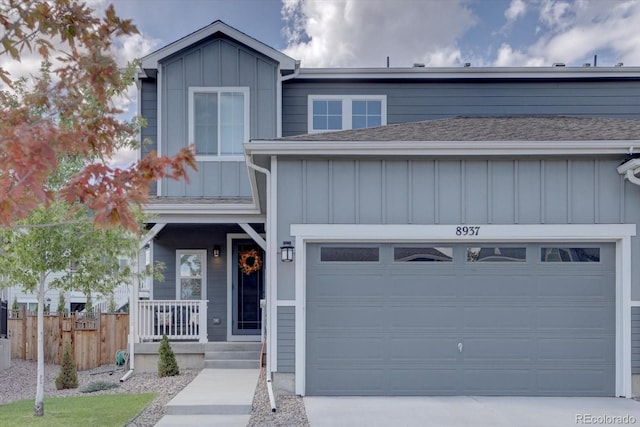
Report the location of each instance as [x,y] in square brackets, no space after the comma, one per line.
[15,306]
[99,386]
[62,304]
[167,364]
[68,377]
[112,304]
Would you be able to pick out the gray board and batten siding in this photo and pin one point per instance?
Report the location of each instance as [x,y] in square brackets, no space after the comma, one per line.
[447,191]
[416,100]
[216,62]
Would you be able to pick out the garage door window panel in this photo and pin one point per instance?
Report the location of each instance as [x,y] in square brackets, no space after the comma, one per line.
[570,255]
[423,254]
[490,254]
[349,254]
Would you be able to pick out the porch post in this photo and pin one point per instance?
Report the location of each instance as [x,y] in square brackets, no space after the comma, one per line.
[203,320]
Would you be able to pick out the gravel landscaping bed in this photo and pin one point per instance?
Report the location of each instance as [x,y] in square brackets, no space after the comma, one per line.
[290,409]
[19,383]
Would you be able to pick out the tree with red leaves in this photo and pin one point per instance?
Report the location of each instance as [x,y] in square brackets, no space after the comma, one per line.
[67,110]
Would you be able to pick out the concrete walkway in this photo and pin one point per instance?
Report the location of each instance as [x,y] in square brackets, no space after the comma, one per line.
[215,397]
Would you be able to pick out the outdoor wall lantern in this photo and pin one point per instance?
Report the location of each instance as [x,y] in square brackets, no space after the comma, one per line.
[287,251]
[216,251]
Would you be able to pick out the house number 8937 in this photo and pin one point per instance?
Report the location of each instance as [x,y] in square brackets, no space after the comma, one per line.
[467,231]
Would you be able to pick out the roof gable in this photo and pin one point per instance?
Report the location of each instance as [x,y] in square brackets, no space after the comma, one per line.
[150,62]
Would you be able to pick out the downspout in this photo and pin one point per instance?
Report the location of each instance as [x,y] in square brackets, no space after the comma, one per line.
[133,297]
[281,79]
[630,168]
[133,316]
[271,258]
[632,177]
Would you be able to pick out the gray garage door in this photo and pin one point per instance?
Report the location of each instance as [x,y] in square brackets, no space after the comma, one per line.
[463,319]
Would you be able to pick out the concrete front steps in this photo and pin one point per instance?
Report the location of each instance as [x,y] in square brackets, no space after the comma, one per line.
[232,355]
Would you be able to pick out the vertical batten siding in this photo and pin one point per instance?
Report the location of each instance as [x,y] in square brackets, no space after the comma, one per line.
[286,339]
[635,340]
[149,111]
[523,191]
[216,62]
[451,191]
[535,191]
[432,99]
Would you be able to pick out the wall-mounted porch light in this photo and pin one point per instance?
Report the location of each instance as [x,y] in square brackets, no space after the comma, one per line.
[216,251]
[287,251]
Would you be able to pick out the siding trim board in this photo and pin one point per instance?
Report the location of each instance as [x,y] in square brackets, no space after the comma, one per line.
[440,148]
[619,233]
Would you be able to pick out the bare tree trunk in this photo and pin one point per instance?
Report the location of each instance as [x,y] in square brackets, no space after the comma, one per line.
[38,409]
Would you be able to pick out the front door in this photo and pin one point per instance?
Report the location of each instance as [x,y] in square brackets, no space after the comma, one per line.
[247,289]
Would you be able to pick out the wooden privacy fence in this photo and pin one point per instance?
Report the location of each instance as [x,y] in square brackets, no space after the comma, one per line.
[95,339]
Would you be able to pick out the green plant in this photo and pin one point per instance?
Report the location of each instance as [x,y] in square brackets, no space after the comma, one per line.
[112,304]
[88,307]
[99,386]
[167,364]
[61,303]
[68,377]
[15,307]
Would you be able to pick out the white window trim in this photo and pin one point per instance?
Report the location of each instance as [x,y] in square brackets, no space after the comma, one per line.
[620,234]
[203,253]
[347,101]
[191,112]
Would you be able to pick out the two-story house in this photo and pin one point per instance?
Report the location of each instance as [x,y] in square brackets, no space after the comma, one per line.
[414,231]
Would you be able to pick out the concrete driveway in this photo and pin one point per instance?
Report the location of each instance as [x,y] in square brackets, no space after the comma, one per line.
[467,411]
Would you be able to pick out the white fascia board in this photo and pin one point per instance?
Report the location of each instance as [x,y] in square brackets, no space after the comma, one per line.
[151,61]
[222,209]
[439,148]
[208,219]
[447,233]
[472,73]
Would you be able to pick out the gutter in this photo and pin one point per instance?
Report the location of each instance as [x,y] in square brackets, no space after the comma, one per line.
[630,169]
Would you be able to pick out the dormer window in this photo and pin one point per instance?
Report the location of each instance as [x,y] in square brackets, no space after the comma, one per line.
[340,112]
[218,122]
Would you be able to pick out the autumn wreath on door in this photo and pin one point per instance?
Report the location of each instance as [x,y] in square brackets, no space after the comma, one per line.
[250,261]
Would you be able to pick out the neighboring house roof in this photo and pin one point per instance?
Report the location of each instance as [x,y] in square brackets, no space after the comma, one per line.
[150,62]
[515,128]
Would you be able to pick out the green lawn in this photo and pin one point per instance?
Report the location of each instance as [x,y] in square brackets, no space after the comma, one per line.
[105,410]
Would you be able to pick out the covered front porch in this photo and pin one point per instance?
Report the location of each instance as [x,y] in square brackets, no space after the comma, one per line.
[213,284]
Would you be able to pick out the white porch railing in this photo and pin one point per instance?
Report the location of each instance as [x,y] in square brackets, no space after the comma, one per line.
[177,319]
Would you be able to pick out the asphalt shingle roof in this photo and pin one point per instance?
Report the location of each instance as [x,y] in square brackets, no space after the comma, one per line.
[511,128]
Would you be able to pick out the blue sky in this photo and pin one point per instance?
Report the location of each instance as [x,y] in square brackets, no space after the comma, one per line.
[355,33]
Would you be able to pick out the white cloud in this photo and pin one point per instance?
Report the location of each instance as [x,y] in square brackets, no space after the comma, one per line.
[516,9]
[555,14]
[355,33]
[590,27]
[508,57]
[572,32]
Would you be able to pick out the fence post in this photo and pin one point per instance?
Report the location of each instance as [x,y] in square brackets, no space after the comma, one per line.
[4,319]
[23,317]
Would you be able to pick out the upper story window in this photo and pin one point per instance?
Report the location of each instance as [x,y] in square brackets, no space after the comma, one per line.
[218,121]
[340,112]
